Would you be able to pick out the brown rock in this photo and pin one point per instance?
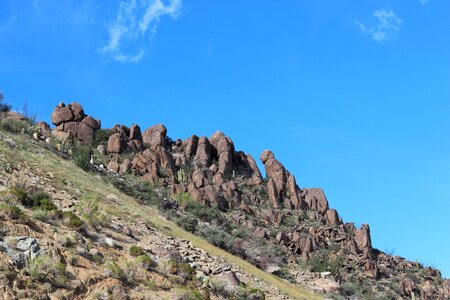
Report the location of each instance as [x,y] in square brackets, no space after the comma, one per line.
[61,114]
[203,154]
[62,135]
[91,122]
[155,135]
[273,193]
[266,155]
[191,146]
[135,133]
[408,287]
[198,178]
[77,111]
[362,238]
[426,291]
[85,133]
[261,233]
[332,217]
[43,126]
[125,166]
[116,143]
[315,199]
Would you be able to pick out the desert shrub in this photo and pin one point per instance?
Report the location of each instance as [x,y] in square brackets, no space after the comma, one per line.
[136,251]
[81,156]
[323,263]
[188,223]
[102,136]
[206,214]
[35,199]
[45,267]
[263,253]
[13,126]
[183,198]
[71,220]
[41,215]
[91,212]
[115,271]
[168,267]
[141,191]
[185,271]
[217,236]
[348,289]
[12,211]
[145,261]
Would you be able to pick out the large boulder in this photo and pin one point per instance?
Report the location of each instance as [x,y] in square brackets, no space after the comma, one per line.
[362,238]
[91,122]
[77,111]
[203,153]
[61,114]
[315,199]
[116,143]
[155,135]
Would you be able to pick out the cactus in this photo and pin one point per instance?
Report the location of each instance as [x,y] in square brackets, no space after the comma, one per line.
[181,176]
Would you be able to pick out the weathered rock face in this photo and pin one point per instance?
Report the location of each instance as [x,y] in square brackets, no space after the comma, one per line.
[281,186]
[155,135]
[125,138]
[203,154]
[362,238]
[72,122]
[156,165]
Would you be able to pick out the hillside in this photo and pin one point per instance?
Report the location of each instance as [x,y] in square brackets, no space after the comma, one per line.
[91,213]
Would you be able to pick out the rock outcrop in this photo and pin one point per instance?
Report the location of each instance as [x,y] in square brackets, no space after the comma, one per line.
[72,122]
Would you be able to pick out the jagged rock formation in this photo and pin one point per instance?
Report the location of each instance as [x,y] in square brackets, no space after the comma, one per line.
[274,209]
[72,122]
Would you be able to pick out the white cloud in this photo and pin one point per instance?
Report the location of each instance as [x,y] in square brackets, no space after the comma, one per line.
[386,28]
[135,24]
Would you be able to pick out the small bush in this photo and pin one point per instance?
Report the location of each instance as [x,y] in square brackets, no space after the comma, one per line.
[71,220]
[3,106]
[11,211]
[323,263]
[136,251]
[81,156]
[185,271]
[13,126]
[188,223]
[115,271]
[45,267]
[41,215]
[145,261]
[91,212]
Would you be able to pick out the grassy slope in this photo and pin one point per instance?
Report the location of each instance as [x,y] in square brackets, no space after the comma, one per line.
[69,177]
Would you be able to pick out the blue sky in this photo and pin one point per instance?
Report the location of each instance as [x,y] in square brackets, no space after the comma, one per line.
[352,96]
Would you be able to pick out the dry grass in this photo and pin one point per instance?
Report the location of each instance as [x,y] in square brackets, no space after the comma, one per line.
[65,175]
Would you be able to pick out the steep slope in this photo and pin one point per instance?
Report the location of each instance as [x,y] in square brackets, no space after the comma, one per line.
[48,253]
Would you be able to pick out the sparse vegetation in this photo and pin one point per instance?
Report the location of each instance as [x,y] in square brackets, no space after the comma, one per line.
[89,206]
[136,251]
[45,267]
[81,156]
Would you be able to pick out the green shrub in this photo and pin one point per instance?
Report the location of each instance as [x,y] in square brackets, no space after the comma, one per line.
[45,267]
[13,126]
[12,211]
[91,212]
[188,223]
[185,271]
[323,263]
[71,220]
[145,261]
[81,156]
[41,215]
[115,271]
[136,251]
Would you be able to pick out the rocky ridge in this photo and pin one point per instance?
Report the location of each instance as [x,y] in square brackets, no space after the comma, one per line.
[274,209]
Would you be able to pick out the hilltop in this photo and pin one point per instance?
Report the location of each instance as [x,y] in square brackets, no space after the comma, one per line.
[77,199]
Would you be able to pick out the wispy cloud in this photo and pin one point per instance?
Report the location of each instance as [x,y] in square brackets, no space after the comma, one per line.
[386,28]
[135,24]
[424,1]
